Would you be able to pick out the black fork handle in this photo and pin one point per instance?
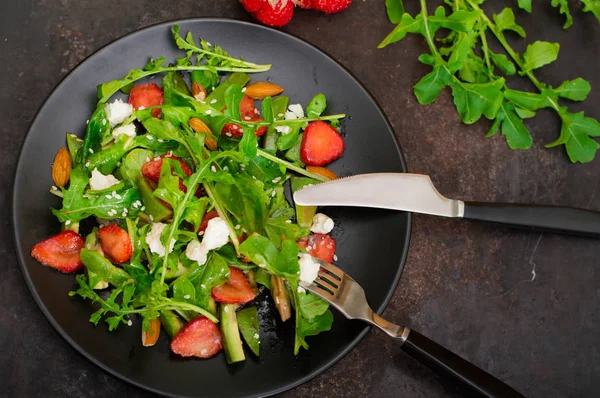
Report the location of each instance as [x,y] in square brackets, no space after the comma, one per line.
[448,364]
[566,220]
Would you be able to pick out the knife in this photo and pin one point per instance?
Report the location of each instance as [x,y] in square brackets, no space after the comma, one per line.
[416,193]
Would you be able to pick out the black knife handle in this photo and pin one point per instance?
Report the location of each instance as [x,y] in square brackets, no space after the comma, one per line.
[448,364]
[566,220]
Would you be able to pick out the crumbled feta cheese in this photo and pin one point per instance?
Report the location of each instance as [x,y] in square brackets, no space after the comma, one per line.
[309,268]
[117,112]
[283,129]
[216,234]
[153,239]
[99,181]
[301,289]
[321,224]
[296,110]
[196,252]
[127,130]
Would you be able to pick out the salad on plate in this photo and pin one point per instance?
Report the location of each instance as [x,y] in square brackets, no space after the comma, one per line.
[174,208]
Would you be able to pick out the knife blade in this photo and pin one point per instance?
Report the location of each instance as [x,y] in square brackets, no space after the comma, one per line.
[416,193]
[396,191]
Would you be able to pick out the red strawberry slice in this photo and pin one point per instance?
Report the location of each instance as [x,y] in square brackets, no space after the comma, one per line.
[252,5]
[247,109]
[147,96]
[331,6]
[236,290]
[321,144]
[209,215]
[232,130]
[151,170]
[115,243]
[303,3]
[199,338]
[319,245]
[60,251]
[275,13]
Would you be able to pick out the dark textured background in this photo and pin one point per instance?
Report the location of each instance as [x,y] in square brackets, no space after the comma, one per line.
[525,306]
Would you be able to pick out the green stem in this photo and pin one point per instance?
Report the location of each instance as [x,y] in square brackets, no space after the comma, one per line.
[507,46]
[428,37]
[174,305]
[291,166]
[486,51]
[307,119]
[223,214]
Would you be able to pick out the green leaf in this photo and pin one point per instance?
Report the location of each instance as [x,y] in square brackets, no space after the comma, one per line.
[525,5]
[184,290]
[395,9]
[263,277]
[107,160]
[194,211]
[592,6]
[575,90]
[265,170]
[311,305]
[532,101]
[506,21]
[168,184]
[513,129]
[280,227]
[564,9]
[318,103]
[233,98]
[316,325]
[524,113]
[430,86]
[406,25]
[249,328]
[176,91]
[502,62]
[215,274]
[539,54]
[474,100]
[131,165]
[261,251]
[576,134]
[249,142]
[97,126]
[286,141]
[286,262]
[462,49]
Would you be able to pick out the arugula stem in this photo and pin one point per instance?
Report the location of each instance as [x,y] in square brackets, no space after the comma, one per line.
[306,119]
[223,214]
[428,37]
[56,192]
[486,53]
[291,166]
[174,305]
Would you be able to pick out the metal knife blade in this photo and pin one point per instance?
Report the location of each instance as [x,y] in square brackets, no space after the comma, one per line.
[396,191]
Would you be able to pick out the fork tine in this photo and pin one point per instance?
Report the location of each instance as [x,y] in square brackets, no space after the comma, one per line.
[332,269]
[321,290]
[322,276]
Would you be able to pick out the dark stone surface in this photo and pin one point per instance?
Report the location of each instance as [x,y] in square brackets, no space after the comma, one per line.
[525,306]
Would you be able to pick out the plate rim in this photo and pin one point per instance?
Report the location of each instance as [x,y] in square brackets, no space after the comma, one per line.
[20,253]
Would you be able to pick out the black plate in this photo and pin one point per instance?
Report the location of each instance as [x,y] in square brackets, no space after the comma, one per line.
[372,244]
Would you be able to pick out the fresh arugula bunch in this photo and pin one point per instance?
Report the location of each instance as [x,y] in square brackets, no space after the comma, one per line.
[463,61]
[592,6]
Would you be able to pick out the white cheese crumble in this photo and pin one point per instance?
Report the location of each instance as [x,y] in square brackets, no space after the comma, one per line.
[321,224]
[100,182]
[117,112]
[195,251]
[127,130]
[309,268]
[283,129]
[294,111]
[216,234]
[153,239]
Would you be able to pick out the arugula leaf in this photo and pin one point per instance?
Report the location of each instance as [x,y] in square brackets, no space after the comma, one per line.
[525,5]
[215,274]
[131,165]
[263,277]
[176,91]
[265,170]
[564,9]
[233,98]
[473,100]
[194,211]
[107,160]
[261,251]
[248,324]
[506,21]
[576,134]
[230,256]
[539,54]
[532,101]
[168,184]
[395,9]
[502,62]
[311,305]
[318,103]
[513,129]
[430,86]
[286,141]
[96,128]
[249,142]
[575,90]
[280,228]
[184,290]
[316,325]
[592,6]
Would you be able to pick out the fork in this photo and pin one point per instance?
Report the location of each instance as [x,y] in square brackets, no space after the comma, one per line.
[347,296]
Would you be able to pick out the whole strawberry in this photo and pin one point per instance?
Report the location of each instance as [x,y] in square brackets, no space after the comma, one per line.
[303,3]
[252,5]
[330,6]
[275,13]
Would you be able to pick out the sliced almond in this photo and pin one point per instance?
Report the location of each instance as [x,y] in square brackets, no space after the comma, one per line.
[262,90]
[198,91]
[199,126]
[322,171]
[210,142]
[61,168]
[150,336]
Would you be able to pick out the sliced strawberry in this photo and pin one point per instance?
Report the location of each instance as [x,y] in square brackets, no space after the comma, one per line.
[60,251]
[232,130]
[147,96]
[319,245]
[236,290]
[199,338]
[275,13]
[247,109]
[331,6]
[151,170]
[262,130]
[115,243]
[321,144]
[252,5]
[209,215]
